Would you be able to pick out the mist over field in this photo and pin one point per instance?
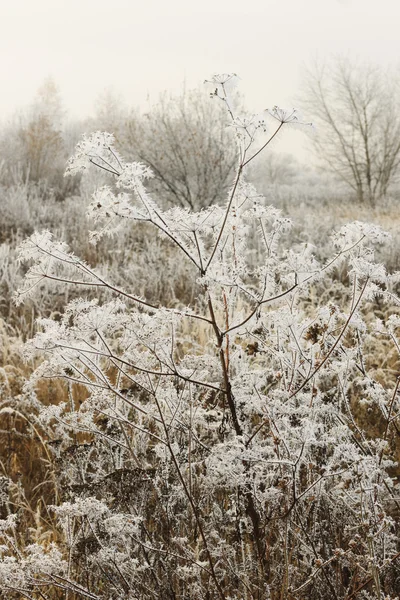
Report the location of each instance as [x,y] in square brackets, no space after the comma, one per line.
[199,301]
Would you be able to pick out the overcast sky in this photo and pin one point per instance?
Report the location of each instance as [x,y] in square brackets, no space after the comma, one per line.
[141,48]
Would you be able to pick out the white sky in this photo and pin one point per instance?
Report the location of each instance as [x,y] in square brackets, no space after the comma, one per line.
[139,48]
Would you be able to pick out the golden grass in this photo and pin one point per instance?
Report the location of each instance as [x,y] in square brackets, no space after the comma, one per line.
[25,458]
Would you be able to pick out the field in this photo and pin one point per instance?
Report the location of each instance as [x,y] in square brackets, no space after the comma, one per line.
[196,404]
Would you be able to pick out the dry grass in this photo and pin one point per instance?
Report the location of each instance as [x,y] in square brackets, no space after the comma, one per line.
[27,463]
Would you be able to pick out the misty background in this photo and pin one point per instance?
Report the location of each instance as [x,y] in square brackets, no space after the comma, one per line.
[140,49]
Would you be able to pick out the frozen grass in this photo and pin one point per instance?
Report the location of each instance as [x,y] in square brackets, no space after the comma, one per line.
[27,466]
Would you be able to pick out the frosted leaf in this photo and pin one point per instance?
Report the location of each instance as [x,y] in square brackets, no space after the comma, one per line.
[38,244]
[110,555]
[49,258]
[89,317]
[8,523]
[303,263]
[269,213]
[52,412]
[89,507]
[123,525]
[358,323]
[47,561]
[12,576]
[132,173]
[106,205]
[353,233]
[96,149]
[186,222]
[53,263]
[378,326]
[110,211]
[365,268]
[393,323]
[226,461]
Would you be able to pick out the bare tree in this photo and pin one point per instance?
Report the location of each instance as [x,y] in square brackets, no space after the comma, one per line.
[41,135]
[355,107]
[110,113]
[33,146]
[186,142]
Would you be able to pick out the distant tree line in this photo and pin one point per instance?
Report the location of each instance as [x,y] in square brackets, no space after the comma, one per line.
[189,145]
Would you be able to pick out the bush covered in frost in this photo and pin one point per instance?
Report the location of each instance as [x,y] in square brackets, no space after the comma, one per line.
[213,451]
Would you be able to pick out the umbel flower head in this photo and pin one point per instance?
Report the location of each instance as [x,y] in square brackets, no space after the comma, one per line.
[289,116]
